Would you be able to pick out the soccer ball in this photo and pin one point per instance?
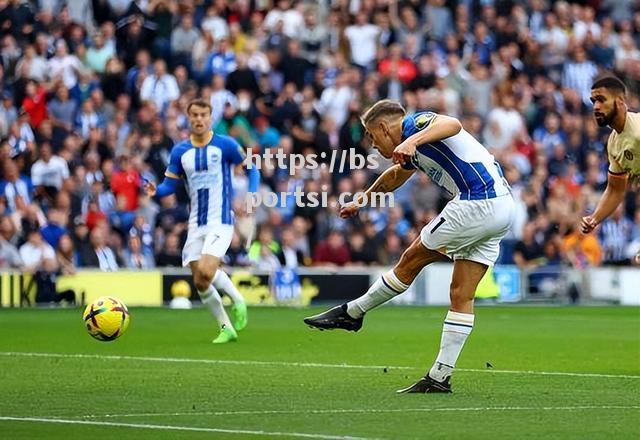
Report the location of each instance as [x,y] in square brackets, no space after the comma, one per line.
[106,319]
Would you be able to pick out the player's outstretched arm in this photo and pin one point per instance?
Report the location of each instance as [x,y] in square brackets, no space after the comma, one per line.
[441,127]
[167,187]
[388,181]
[612,197]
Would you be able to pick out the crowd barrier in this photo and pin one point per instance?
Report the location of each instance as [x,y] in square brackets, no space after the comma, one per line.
[502,284]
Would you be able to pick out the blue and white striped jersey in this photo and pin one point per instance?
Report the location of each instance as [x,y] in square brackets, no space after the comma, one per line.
[459,164]
[207,171]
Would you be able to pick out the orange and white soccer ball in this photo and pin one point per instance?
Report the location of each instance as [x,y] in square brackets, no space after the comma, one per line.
[106,319]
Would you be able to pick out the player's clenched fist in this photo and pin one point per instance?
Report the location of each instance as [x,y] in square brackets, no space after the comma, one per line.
[403,153]
[349,210]
[588,224]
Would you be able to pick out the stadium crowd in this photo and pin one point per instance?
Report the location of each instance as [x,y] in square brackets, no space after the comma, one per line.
[93,97]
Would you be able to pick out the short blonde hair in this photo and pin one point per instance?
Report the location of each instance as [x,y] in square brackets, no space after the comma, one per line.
[385,108]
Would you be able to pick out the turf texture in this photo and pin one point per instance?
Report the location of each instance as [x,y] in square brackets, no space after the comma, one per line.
[164,379]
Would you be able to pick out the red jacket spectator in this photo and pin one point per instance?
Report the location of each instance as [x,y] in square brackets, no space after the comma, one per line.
[35,103]
[333,250]
[396,65]
[126,182]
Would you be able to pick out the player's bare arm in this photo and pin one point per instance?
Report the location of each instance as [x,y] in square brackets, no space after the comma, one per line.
[612,197]
[393,178]
[442,127]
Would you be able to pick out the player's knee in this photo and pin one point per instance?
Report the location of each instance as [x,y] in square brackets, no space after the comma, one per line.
[201,281]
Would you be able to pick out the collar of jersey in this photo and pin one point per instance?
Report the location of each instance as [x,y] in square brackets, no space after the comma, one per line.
[205,143]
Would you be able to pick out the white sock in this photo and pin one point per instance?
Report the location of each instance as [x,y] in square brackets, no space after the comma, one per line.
[455,330]
[211,298]
[385,288]
[223,283]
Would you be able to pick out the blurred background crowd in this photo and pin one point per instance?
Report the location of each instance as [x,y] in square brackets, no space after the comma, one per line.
[93,96]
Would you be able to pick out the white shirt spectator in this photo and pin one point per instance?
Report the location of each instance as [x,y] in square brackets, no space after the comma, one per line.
[161,90]
[362,40]
[218,100]
[292,21]
[334,102]
[51,173]
[581,28]
[33,255]
[216,26]
[9,255]
[67,66]
[502,127]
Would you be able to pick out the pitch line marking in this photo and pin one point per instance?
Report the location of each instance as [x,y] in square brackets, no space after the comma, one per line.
[178,428]
[366,411]
[299,364]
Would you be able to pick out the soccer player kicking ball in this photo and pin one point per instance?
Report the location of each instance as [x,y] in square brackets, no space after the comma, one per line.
[623,147]
[205,161]
[468,230]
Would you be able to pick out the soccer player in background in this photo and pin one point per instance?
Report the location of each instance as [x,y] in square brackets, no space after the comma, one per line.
[205,161]
[623,147]
[468,230]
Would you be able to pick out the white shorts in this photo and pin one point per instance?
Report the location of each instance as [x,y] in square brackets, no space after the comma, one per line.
[212,240]
[471,229]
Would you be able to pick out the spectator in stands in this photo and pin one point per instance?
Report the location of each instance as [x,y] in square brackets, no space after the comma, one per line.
[221,61]
[62,110]
[160,87]
[98,54]
[55,228]
[332,251]
[9,255]
[64,65]
[35,251]
[126,182]
[291,257]
[135,257]
[582,250]
[16,189]
[67,256]
[99,254]
[579,74]
[220,97]
[49,172]
[35,103]
[171,254]
[616,233]
[528,253]
[265,250]
[183,39]
[267,136]
[361,254]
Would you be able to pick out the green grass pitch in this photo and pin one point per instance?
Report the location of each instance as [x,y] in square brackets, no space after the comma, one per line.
[164,379]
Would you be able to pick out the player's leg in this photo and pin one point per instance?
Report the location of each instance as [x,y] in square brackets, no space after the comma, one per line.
[456,328]
[215,244]
[203,272]
[223,284]
[474,237]
[395,282]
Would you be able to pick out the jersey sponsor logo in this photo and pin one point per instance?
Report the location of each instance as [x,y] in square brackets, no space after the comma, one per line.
[424,120]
